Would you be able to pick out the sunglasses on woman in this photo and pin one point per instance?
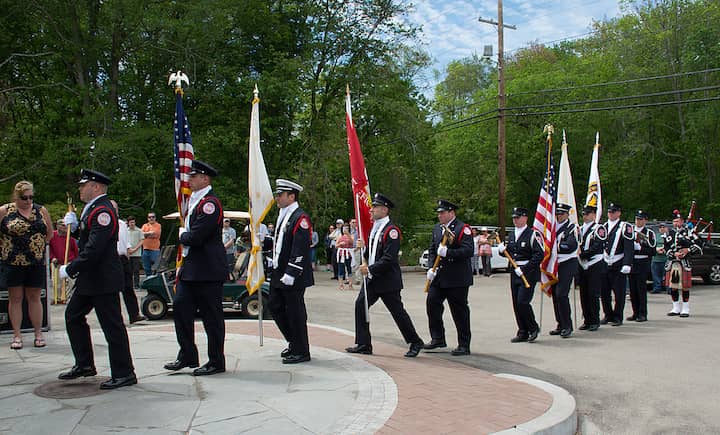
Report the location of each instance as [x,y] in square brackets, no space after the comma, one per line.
[26,197]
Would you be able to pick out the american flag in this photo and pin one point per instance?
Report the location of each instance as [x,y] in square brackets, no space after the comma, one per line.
[545,224]
[183,156]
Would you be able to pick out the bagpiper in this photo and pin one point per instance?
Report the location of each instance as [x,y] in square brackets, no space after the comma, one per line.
[680,243]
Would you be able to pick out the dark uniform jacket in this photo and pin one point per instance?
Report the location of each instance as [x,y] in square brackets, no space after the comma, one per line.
[97,267]
[624,246]
[455,269]
[385,271]
[566,235]
[676,240]
[592,245]
[643,256]
[294,258]
[527,249]
[205,260]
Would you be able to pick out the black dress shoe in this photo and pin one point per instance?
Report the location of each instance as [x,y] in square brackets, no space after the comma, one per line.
[460,350]
[113,383]
[641,319]
[566,333]
[434,344]
[684,315]
[555,331]
[177,365]
[605,321]
[593,327]
[78,372]
[365,349]
[297,358]
[138,318]
[286,352]
[616,322]
[518,339]
[631,318]
[533,335]
[208,370]
[584,326]
[414,350]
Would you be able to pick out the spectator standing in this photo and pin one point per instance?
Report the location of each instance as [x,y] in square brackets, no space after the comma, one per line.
[151,243]
[57,254]
[658,263]
[344,247]
[313,247]
[485,247]
[329,248]
[228,238]
[135,240]
[25,227]
[333,242]
[476,252]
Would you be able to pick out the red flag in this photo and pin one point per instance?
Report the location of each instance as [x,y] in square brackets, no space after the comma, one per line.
[360,184]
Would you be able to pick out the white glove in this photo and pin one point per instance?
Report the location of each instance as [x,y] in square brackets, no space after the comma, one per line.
[287,280]
[181,230]
[501,248]
[269,262]
[518,271]
[71,220]
[442,251]
[637,246]
[431,275]
[62,272]
[625,269]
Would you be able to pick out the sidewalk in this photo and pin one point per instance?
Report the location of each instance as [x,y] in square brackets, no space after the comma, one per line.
[335,393]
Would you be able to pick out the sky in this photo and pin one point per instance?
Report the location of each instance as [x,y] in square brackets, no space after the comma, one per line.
[451,29]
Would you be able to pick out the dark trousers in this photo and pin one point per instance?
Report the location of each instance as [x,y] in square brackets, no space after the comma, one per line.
[487,269]
[393,302]
[638,288]
[135,264]
[614,283]
[107,310]
[658,274]
[590,288]
[561,301]
[457,298]
[128,292]
[205,297]
[522,305]
[288,310]
[334,262]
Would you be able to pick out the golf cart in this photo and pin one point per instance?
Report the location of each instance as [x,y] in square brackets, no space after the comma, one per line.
[160,286]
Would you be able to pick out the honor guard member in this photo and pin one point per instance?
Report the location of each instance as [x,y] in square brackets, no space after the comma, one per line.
[618,261]
[451,280]
[592,268]
[526,247]
[680,243]
[199,286]
[98,281]
[567,246]
[644,249]
[292,272]
[384,280]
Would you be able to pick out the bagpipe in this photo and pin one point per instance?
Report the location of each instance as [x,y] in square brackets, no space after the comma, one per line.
[698,226]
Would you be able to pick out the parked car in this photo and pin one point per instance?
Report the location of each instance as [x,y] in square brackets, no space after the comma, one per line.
[497,261]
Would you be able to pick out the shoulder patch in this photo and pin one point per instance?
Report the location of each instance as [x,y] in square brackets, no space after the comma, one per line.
[304,224]
[601,232]
[209,208]
[394,234]
[539,238]
[104,219]
[467,231]
[628,231]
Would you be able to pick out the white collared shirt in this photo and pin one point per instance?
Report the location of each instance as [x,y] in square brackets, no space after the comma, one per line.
[89,204]
[519,231]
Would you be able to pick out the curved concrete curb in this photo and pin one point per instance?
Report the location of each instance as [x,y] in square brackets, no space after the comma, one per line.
[560,419]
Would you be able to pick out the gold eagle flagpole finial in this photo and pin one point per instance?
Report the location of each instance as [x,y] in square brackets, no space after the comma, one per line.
[178,78]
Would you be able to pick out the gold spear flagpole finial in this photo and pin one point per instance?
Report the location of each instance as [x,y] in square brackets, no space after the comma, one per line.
[597,138]
[549,129]
[256,95]
[178,78]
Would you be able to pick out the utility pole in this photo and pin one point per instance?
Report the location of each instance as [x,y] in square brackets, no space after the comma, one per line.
[502,165]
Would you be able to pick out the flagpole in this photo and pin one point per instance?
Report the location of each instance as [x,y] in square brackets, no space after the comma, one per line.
[362,256]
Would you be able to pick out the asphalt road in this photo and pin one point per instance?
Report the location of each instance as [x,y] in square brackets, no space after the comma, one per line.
[655,377]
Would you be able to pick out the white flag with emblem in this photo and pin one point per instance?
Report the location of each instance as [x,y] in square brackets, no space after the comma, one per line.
[594,193]
[260,196]
[566,192]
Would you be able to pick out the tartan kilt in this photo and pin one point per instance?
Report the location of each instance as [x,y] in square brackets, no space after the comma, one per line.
[685,281]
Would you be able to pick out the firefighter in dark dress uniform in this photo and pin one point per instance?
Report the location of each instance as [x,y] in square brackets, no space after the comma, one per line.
[592,268]
[567,244]
[525,245]
[98,274]
[618,261]
[384,280]
[292,272]
[200,278]
[452,279]
[644,249]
